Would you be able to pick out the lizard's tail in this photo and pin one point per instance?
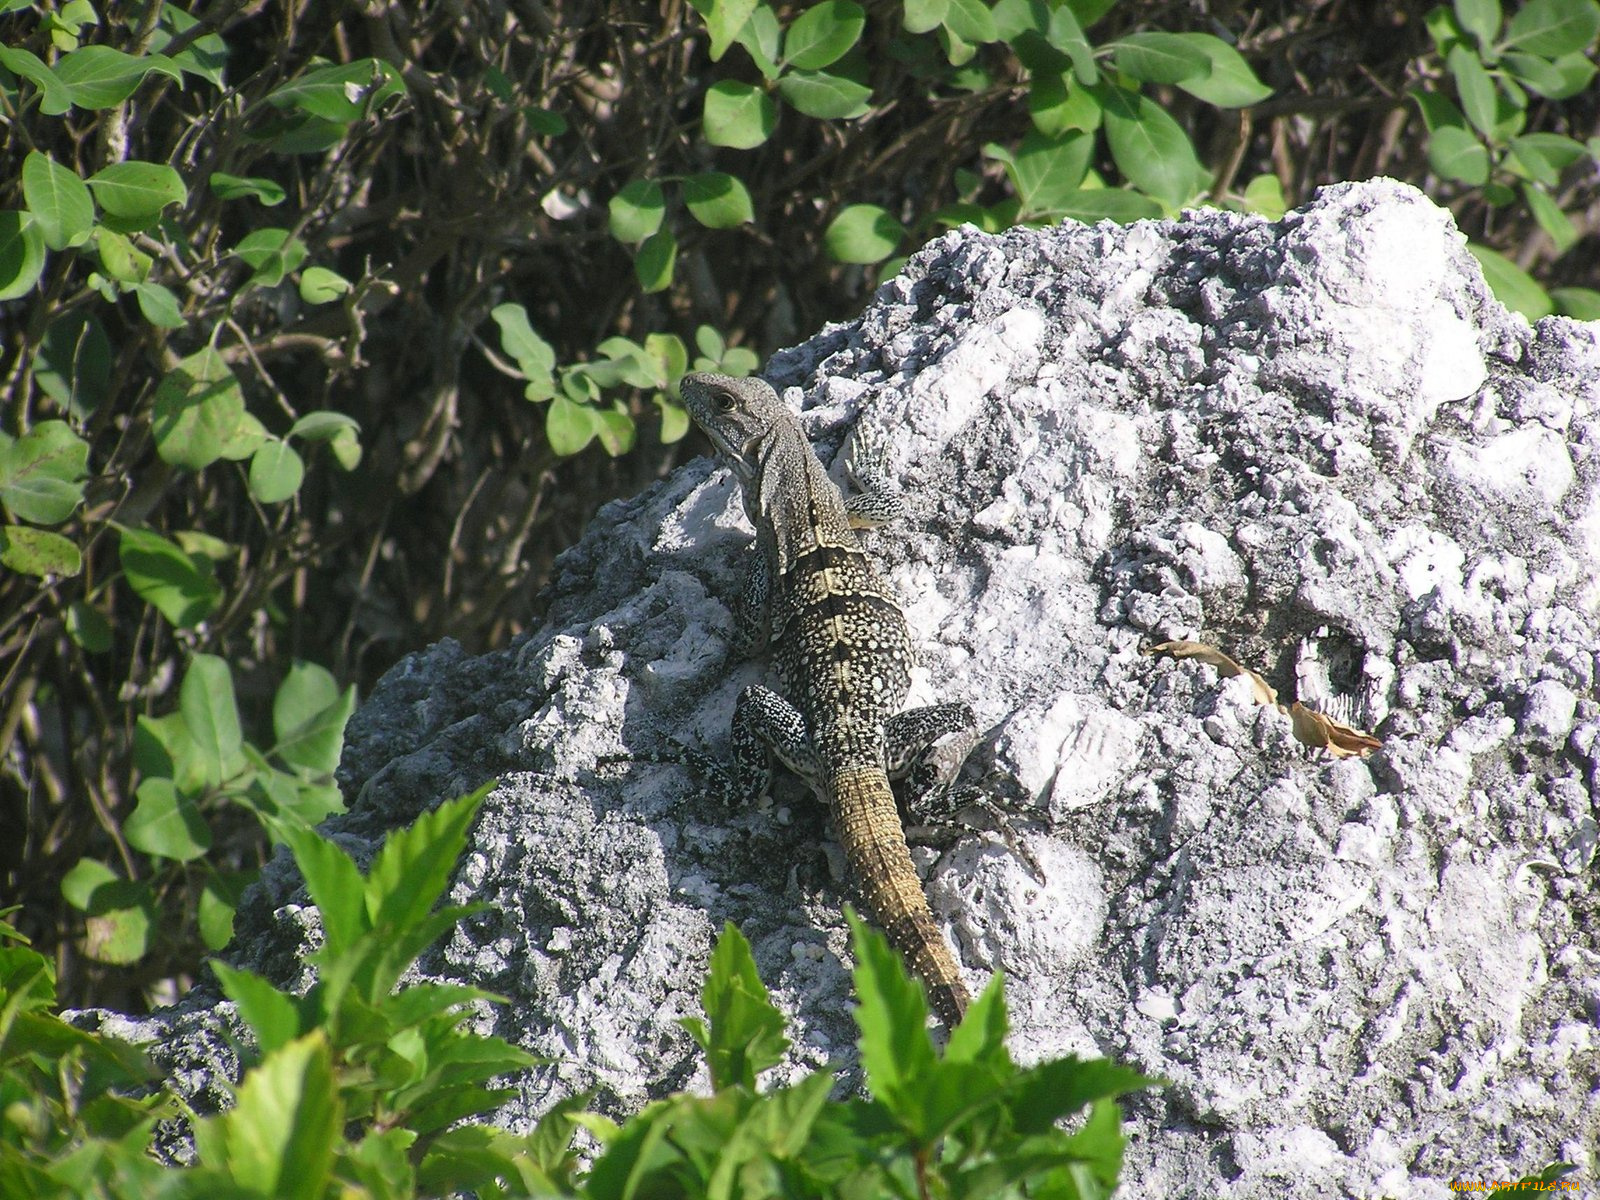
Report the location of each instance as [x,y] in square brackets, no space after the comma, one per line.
[875,844]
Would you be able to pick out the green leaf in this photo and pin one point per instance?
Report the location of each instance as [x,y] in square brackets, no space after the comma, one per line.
[1150,148]
[654,260]
[319,285]
[615,428]
[1554,27]
[309,714]
[55,97]
[1457,154]
[1091,204]
[182,588]
[346,448]
[204,57]
[1576,72]
[1480,18]
[738,115]
[159,305]
[21,254]
[1512,286]
[40,472]
[276,472]
[717,201]
[323,425]
[1046,170]
[535,359]
[211,716]
[1546,155]
[1066,35]
[340,94]
[761,37]
[59,200]
[137,191]
[280,1136]
[121,912]
[636,211]
[118,257]
[1264,195]
[971,21]
[1581,304]
[271,254]
[1159,58]
[219,901]
[568,426]
[166,823]
[674,420]
[272,1016]
[88,627]
[239,187]
[412,870]
[724,19]
[1475,88]
[1059,105]
[73,366]
[38,552]
[1555,223]
[924,16]
[822,34]
[862,233]
[896,1050]
[745,1035]
[1231,82]
[199,412]
[827,97]
[103,77]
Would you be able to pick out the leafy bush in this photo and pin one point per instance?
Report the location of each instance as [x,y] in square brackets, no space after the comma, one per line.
[315,318]
[359,1090]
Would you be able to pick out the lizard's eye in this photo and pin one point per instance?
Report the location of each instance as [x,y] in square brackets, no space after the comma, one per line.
[725,402]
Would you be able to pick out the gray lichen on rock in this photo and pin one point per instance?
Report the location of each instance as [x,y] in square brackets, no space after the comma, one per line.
[1319,444]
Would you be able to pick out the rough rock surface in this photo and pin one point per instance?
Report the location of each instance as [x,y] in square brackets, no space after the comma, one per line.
[1319,444]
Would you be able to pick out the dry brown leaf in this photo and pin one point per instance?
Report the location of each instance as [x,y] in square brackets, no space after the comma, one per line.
[1318,729]
[1310,727]
[1226,667]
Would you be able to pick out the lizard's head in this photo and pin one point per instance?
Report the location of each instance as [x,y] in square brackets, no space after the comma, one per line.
[735,414]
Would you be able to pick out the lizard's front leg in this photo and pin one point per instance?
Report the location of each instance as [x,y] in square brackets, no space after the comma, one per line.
[765,725]
[877,500]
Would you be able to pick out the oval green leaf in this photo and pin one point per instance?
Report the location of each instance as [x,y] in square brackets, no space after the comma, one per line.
[21,254]
[40,472]
[654,261]
[1151,149]
[862,233]
[1231,82]
[1554,27]
[823,34]
[59,200]
[1159,58]
[1512,286]
[276,472]
[199,411]
[159,305]
[38,552]
[318,285]
[88,627]
[211,717]
[1456,154]
[568,426]
[827,97]
[238,187]
[166,823]
[637,210]
[738,115]
[103,77]
[137,191]
[717,200]
[180,587]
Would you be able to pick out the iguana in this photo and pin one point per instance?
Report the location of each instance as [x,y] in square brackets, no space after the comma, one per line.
[843,652]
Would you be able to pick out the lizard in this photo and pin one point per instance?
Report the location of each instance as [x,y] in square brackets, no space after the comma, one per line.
[843,652]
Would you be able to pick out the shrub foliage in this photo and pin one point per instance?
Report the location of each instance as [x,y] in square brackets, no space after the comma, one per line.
[323,327]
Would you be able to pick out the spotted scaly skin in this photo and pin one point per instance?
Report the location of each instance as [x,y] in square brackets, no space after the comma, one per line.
[843,652]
